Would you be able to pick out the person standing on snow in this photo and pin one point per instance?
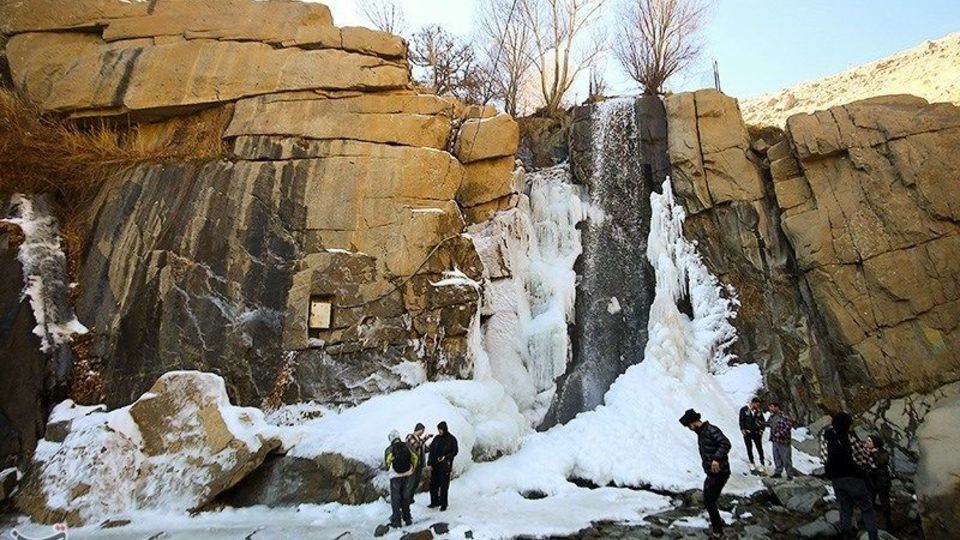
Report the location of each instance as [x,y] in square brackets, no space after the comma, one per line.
[752,424]
[714,456]
[442,450]
[846,463]
[401,462]
[781,429]
[418,443]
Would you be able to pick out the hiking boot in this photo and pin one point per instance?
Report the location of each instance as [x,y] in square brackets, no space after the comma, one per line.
[775,475]
[443,508]
[408,522]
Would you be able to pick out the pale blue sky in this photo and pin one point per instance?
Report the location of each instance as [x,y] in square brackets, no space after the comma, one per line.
[761,45]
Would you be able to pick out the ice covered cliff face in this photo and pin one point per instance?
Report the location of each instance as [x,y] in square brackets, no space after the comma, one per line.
[529,253]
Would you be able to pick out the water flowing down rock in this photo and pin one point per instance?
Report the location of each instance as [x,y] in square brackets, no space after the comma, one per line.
[938,487]
[618,152]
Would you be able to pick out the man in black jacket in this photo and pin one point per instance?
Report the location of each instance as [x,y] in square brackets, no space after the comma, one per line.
[714,455]
[752,424]
[442,450]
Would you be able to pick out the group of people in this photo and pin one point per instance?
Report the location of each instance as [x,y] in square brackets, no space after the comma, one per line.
[858,469]
[406,460]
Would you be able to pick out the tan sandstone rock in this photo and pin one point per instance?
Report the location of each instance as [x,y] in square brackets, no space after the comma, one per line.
[486,138]
[232,20]
[488,180]
[77,72]
[19,16]
[393,118]
[873,217]
[709,148]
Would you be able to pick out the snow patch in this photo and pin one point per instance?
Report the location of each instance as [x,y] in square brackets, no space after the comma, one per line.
[44,272]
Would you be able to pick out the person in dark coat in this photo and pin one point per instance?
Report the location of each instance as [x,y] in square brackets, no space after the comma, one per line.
[714,456]
[781,429]
[846,462]
[752,424]
[417,441]
[878,477]
[442,450]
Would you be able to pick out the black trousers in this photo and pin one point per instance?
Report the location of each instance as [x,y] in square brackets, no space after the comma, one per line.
[752,439]
[853,492]
[399,503]
[882,503]
[712,487]
[439,485]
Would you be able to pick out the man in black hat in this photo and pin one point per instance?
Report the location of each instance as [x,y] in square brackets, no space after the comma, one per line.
[714,450]
[442,450]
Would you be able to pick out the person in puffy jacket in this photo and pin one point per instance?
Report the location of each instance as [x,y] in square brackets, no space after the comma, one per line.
[401,461]
[714,449]
[442,450]
[846,462]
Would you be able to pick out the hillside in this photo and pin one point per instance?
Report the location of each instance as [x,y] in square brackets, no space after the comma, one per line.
[930,70]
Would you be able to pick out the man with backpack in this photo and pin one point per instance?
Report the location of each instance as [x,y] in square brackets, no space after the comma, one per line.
[781,429]
[846,463]
[752,424]
[442,451]
[401,462]
[714,456]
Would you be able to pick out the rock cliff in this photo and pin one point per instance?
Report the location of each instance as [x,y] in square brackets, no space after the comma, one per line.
[841,236]
[343,191]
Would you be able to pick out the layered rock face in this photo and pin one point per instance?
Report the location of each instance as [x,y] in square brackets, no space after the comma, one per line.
[303,264]
[840,236]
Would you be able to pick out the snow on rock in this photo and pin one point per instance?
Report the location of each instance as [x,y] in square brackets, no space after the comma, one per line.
[483,417]
[528,256]
[45,277]
[173,450]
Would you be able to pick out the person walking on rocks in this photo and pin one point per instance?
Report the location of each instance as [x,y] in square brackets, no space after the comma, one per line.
[878,477]
[418,443]
[752,424]
[714,457]
[401,462]
[442,450]
[781,429]
[846,462]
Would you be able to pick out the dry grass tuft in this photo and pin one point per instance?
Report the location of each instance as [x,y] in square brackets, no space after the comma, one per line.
[283,379]
[40,154]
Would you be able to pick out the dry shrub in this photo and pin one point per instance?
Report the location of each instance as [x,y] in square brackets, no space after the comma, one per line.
[43,154]
[87,386]
[283,379]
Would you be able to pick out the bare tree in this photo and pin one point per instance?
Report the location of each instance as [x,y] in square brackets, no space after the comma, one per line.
[384,15]
[659,38]
[598,84]
[562,46]
[448,66]
[506,44]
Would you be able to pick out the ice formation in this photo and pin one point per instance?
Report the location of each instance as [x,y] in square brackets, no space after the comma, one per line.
[529,253]
[45,272]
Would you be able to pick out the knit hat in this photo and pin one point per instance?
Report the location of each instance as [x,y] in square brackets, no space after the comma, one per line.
[689,417]
[394,435]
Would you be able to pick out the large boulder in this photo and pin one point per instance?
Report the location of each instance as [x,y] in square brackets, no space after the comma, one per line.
[174,449]
[292,481]
[938,476]
[485,138]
